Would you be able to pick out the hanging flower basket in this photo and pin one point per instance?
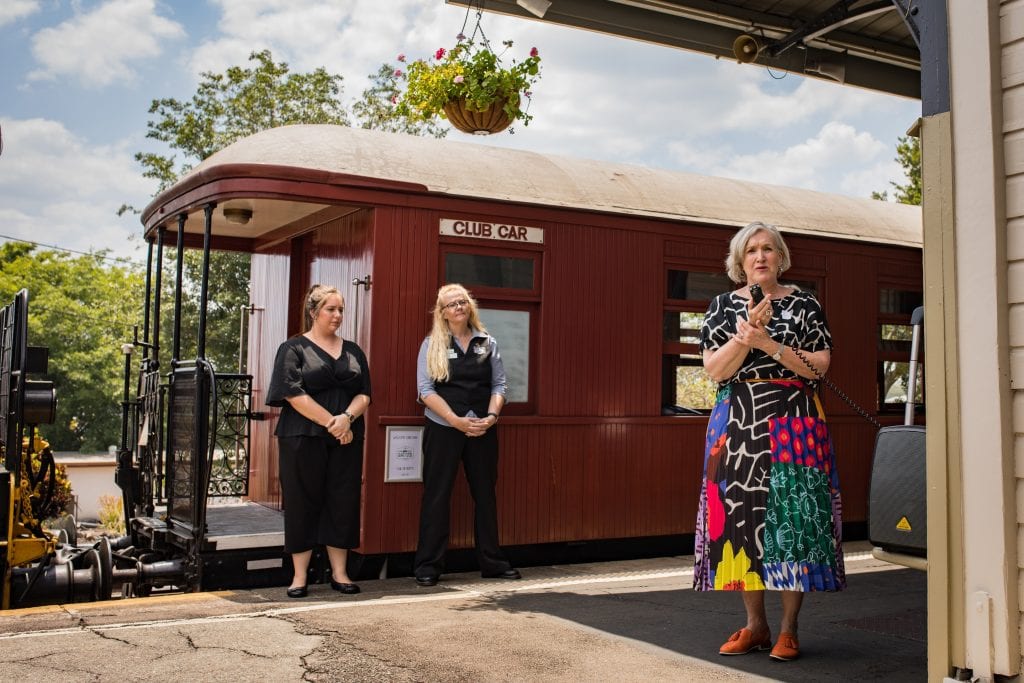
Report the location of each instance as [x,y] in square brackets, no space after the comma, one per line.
[469,86]
[493,119]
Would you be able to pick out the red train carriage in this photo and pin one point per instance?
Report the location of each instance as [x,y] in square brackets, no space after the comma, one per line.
[593,276]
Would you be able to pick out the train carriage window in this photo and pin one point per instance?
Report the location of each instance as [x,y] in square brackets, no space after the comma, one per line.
[512,330]
[686,388]
[805,285]
[697,286]
[506,284]
[895,306]
[487,270]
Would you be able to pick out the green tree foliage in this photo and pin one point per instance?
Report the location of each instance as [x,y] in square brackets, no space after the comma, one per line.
[376,108]
[237,103]
[908,154]
[227,293]
[226,107]
[82,309]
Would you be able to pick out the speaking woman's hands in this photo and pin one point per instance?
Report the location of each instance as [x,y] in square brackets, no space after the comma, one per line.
[753,336]
[760,314]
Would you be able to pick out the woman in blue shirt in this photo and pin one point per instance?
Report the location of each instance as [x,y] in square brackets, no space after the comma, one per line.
[461,381]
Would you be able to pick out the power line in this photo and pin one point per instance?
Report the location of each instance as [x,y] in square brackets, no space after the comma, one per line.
[115,259]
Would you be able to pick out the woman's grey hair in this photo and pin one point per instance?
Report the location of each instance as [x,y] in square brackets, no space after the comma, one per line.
[738,246]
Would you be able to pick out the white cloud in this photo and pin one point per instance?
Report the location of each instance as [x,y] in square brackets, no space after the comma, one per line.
[13,10]
[58,189]
[99,47]
[818,163]
[352,38]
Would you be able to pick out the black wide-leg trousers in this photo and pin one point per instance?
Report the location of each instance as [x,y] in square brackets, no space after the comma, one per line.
[321,481]
[443,449]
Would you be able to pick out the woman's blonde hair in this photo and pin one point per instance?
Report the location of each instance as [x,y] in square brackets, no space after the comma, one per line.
[316,297]
[440,334]
[738,246]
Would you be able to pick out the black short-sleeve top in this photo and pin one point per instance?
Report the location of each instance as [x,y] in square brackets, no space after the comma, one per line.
[797,321]
[302,367]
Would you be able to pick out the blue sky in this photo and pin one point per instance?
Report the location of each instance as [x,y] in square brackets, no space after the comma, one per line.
[78,78]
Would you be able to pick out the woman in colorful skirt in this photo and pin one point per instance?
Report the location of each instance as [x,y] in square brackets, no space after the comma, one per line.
[770,513]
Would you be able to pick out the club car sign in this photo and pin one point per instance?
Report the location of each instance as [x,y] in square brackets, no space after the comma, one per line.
[455,227]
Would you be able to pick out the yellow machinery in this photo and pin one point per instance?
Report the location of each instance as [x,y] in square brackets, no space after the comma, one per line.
[26,542]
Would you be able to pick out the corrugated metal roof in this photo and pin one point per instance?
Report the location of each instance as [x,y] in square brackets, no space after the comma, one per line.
[481,171]
[867,43]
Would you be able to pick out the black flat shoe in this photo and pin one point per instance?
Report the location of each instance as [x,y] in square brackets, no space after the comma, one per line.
[346,588]
[510,574]
[426,581]
[300,592]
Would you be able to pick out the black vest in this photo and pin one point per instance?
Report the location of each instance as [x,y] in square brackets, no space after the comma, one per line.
[469,378]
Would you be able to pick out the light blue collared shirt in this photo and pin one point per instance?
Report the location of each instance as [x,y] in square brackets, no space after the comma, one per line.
[425,384]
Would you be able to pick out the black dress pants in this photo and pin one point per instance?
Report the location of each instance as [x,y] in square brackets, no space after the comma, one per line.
[321,481]
[443,449]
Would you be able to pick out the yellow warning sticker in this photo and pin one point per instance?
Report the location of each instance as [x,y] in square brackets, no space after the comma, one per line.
[903,524]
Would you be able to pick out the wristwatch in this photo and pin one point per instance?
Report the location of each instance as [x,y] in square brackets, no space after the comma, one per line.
[349,416]
[777,356]
[494,415]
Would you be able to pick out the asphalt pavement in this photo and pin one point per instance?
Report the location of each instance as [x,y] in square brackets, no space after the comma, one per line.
[636,620]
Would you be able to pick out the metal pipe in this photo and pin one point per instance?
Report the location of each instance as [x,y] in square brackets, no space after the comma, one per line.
[161,235]
[126,349]
[145,306]
[241,334]
[916,320]
[176,346]
[205,281]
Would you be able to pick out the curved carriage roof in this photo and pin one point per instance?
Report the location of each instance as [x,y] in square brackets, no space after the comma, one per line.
[448,167]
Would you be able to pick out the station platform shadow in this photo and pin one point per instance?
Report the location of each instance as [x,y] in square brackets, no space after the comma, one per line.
[875,630]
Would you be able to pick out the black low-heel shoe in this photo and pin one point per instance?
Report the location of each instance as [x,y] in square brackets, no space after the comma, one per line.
[300,592]
[346,588]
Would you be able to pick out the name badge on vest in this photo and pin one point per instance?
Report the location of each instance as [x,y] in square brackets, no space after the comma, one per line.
[452,353]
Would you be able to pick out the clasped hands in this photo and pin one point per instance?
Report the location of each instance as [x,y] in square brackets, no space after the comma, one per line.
[340,428]
[751,332]
[472,426]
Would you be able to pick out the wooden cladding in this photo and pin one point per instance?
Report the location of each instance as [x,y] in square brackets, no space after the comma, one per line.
[592,458]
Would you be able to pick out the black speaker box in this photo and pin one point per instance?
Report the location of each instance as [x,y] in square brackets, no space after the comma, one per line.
[897,510]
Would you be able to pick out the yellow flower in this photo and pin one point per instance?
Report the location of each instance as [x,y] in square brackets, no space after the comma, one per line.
[733,572]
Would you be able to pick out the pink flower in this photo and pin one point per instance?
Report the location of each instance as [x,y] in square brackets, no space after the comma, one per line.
[458,79]
[440,53]
[534,52]
[398,73]
[401,57]
[394,99]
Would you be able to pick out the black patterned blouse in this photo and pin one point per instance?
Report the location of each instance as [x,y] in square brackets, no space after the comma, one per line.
[797,321]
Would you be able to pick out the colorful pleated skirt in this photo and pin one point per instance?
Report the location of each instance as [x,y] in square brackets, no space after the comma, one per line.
[770,513]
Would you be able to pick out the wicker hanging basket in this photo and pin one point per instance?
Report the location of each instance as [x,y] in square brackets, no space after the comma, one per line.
[491,120]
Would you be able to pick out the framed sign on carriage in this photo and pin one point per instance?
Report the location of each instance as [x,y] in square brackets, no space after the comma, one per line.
[403,457]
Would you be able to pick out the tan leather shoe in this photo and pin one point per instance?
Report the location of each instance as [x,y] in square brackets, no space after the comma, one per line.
[786,648]
[744,641]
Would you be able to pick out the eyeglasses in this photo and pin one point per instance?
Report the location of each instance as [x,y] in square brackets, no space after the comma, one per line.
[458,303]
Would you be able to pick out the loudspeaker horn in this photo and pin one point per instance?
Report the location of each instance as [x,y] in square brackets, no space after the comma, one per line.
[746,48]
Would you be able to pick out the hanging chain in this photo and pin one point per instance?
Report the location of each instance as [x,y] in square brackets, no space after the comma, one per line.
[478,28]
[853,404]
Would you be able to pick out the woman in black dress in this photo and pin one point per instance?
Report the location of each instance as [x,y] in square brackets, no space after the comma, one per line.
[322,384]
